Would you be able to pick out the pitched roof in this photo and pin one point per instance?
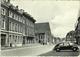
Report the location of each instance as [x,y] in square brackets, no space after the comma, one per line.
[42,27]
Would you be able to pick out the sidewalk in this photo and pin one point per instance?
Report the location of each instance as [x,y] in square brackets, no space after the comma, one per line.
[23,46]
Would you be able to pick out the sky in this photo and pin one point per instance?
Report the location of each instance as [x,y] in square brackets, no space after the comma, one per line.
[62,15]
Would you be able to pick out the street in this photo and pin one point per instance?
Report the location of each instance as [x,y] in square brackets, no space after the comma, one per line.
[62,53]
[43,50]
[32,51]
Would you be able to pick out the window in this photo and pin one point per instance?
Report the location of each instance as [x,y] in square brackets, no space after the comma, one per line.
[23,21]
[3,24]
[16,38]
[9,25]
[18,18]
[3,11]
[13,26]
[16,27]
[10,14]
[19,28]
[9,38]
[61,44]
[13,15]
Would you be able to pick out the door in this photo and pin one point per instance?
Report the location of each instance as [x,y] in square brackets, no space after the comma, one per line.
[24,40]
[3,39]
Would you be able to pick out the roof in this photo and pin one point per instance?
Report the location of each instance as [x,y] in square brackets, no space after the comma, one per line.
[42,27]
[18,11]
[28,16]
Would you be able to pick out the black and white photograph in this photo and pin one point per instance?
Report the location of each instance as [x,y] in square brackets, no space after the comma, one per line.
[40,28]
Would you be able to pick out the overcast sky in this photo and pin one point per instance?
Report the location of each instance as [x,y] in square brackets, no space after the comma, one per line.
[62,15]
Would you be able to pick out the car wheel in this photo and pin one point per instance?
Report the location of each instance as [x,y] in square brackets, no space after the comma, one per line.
[57,49]
[74,49]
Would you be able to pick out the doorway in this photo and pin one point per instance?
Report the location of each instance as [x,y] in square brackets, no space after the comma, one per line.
[3,39]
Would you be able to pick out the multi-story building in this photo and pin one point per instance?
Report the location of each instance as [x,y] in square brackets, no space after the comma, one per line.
[77,29]
[43,33]
[13,26]
[70,37]
[29,37]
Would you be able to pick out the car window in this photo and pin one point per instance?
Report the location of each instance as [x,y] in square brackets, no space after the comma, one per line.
[71,43]
[66,44]
[61,44]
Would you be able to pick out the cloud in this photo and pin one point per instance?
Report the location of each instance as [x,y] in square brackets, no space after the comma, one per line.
[62,31]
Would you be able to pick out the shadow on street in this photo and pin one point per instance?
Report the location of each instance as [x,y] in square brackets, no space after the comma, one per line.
[61,53]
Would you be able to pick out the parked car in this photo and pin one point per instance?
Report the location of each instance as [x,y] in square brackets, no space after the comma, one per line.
[66,46]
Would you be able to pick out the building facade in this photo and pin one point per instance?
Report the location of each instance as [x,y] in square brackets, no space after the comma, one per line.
[29,37]
[13,26]
[70,37]
[43,33]
[77,29]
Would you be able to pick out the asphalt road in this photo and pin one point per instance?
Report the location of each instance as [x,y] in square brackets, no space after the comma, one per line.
[33,51]
[61,53]
[46,50]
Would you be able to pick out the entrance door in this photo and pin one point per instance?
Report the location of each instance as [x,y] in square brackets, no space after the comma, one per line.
[23,40]
[3,39]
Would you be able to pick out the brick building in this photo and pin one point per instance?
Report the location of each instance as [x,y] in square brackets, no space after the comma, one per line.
[13,26]
[43,33]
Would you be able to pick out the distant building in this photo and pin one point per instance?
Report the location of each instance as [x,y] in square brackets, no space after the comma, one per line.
[57,40]
[15,25]
[43,33]
[70,37]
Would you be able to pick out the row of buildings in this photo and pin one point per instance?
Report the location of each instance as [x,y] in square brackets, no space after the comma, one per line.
[74,36]
[19,28]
